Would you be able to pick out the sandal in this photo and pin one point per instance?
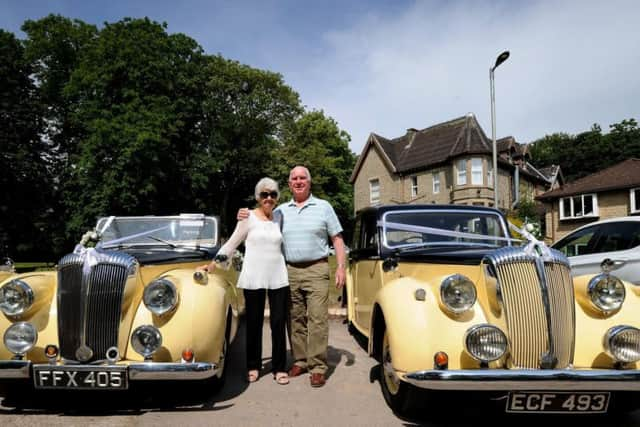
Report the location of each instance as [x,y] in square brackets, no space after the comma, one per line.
[252,376]
[281,378]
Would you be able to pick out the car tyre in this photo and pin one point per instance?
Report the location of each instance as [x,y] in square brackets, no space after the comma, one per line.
[395,391]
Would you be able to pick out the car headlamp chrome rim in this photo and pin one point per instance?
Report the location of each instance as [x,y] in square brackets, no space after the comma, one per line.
[160,296]
[16,297]
[485,343]
[146,340]
[20,338]
[458,293]
[622,343]
[606,292]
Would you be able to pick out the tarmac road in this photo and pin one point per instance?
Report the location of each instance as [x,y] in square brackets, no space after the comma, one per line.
[351,397]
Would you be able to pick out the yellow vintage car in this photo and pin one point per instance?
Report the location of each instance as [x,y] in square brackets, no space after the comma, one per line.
[449,302]
[131,308]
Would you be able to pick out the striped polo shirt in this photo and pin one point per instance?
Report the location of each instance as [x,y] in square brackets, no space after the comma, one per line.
[306,229]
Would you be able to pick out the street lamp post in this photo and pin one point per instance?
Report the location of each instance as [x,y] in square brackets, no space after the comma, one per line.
[499,60]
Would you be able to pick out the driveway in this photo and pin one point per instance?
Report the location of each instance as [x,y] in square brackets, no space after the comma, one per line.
[351,397]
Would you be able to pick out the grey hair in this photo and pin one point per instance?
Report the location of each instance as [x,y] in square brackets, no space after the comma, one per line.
[266,183]
[303,168]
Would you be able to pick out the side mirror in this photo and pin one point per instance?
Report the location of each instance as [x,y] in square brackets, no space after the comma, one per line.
[608,265]
[390,264]
[237,260]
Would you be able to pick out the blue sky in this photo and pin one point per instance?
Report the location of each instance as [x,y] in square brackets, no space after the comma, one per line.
[385,66]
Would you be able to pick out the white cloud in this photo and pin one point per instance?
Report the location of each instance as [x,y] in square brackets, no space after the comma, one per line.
[572,64]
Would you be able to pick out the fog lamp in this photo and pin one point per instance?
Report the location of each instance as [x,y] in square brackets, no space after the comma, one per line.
[20,338]
[622,343]
[485,343]
[146,340]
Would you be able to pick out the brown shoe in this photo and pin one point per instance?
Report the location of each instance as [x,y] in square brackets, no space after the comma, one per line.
[296,370]
[317,380]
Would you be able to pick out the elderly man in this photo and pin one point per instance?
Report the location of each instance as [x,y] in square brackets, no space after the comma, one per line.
[308,224]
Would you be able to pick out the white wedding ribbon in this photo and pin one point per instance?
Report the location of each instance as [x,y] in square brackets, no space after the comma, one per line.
[442,232]
[89,256]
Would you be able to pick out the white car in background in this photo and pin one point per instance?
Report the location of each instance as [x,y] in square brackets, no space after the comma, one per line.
[617,239]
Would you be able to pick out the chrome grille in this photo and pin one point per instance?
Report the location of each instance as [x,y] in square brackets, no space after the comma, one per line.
[90,302]
[536,293]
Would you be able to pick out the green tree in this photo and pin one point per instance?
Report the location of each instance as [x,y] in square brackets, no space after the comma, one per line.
[317,142]
[246,110]
[25,172]
[588,152]
[137,95]
[53,48]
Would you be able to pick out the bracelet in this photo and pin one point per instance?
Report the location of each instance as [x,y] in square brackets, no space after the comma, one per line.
[341,266]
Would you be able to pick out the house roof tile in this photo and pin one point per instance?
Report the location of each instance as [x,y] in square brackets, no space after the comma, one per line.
[617,177]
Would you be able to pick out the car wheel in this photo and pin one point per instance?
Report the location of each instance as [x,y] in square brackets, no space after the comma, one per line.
[394,390]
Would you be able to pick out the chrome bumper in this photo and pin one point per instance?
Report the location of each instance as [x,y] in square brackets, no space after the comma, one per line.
[147,371]
[15,369]
[521,379]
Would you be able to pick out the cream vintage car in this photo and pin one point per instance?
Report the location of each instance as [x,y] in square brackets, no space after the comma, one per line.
[449,302]
[131,308]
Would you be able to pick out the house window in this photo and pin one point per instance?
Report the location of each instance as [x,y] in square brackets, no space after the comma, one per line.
[580,206]
[490,175]
[634,196]
[462,172]
[374,191]
[436,183]
[476,171]
[414,187]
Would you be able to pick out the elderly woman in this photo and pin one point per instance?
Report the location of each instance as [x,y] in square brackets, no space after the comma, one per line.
[263,273]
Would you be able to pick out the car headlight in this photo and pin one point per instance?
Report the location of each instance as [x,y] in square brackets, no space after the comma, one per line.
[160,296]
[623,343]
[485,343]
[15,297]
[606,292]
[146,340]
[20,338]
[458,293]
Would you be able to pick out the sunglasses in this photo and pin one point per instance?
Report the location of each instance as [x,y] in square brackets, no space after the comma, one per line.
[265,194]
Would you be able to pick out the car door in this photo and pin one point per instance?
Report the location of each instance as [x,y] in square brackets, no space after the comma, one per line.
[365,267]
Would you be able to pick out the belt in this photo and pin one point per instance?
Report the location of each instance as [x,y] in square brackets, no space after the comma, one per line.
[305,264]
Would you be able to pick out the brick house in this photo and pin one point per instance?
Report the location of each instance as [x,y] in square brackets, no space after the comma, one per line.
[609,193]
[448,163]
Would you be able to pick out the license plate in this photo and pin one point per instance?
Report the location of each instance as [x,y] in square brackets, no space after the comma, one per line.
[558,402]
[80,377]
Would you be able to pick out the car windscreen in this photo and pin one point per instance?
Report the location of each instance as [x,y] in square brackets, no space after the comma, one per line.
[153,231]
[443,228]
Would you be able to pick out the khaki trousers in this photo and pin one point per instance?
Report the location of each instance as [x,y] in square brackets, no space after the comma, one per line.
[310,316]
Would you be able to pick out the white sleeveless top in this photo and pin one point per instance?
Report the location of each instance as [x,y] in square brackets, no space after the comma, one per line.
[263,266]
